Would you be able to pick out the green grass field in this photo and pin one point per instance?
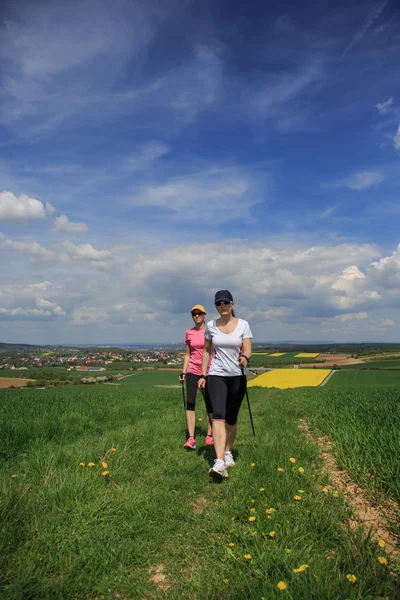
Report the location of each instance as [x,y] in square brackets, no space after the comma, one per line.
[149,379]
[48,373]
[363,423]
[69,532]
[354,379]
[289,358]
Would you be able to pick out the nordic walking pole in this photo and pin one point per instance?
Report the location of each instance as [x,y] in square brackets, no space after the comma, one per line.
[248,404]
[203,391]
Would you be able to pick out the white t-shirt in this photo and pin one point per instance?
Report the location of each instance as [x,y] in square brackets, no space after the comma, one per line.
[227,348]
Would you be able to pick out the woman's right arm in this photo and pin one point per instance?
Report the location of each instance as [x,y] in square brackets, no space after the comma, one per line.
[204,362]
[185,364]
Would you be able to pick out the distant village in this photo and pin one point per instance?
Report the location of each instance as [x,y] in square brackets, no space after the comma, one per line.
[90,360]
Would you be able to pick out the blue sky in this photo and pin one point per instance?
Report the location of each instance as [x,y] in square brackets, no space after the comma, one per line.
[154,152]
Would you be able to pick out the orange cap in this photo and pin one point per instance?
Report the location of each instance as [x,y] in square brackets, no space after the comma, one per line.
[199,307]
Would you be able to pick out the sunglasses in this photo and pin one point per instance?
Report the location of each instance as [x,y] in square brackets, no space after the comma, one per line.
[223,303]
[197,314]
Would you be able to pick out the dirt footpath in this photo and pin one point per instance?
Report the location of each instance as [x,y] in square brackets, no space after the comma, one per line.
[6,382]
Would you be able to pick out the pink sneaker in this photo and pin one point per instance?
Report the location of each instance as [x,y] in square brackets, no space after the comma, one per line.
[209,440]
[191,444]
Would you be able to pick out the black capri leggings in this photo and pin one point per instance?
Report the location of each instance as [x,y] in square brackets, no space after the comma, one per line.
[191,390]
[226,395]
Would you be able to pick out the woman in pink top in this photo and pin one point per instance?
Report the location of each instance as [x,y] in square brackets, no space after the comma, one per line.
[194,340]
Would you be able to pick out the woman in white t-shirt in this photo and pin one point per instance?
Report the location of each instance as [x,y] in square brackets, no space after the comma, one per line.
[230,339]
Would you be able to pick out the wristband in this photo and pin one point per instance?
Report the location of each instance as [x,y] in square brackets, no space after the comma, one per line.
[248,360]
[182,375]
[203,376]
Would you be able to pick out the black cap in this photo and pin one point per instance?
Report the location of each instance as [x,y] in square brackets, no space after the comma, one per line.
[223,295]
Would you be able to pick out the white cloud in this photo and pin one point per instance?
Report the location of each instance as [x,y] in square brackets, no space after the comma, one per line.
[283,88]
[145,295]
[220,194]
[361,181]
[65,252]
[396,139]
[87,315]
[22,209]
[385,107]
[33,249]
[24,312]
[145,156]
[51,306]
[373,15]
[63,223]
[22,302]
[70,252]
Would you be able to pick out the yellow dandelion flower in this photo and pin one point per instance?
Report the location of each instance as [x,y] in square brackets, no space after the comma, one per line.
[226,580]
[252,510]
[272,534]
[297,497]
[248,556]
[14,476]
[280,469]
[335,494]
[253,464]
[251,519]
[300,569]
[105,473]
[292,460]
[381,543]
[301,470]
[325,490]
[252,501]
[200,419]
[91,464]
[231,545]
[281,585]
[382,560]
[104,465]
[351,578]
[269,511]
[113,449]
[81,464]
[262,489]
[269,517]
[301,491]
[254,533]
[287,550]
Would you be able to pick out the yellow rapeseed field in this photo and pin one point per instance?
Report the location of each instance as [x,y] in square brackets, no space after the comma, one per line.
[290,378]
[260,353]
[308,355]
[278,353]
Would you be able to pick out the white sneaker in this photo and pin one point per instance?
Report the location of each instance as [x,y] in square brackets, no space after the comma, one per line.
[229,460]
[218,470]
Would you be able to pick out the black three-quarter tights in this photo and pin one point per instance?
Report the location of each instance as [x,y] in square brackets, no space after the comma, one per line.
[226,395]
[191,390]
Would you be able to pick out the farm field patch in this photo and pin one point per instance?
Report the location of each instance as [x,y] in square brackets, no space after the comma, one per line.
[290,378]
[6,382]
[69,531]
[307,355]
[375,364]
[278,354]
[357,379]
